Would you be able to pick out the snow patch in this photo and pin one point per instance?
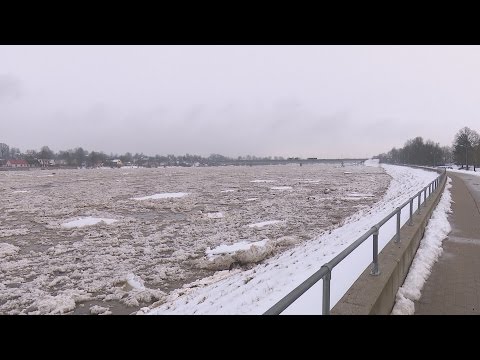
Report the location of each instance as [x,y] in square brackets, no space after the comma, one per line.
[87,221]
[99,310]
[215,215]
[20,191]
[243,252]
[13,232]
[287,240]
[427,255]
[281,187]
[228,190]
[8,249]
[161,196]
[133,291]
[136,282]
[265,223]
[356,194]
[251,199]
[263,181]
[474,173]
[228,249]
[60,304]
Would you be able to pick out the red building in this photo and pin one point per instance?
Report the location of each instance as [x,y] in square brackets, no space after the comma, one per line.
[17,163]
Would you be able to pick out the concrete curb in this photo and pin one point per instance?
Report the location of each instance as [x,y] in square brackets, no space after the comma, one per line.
[375,295]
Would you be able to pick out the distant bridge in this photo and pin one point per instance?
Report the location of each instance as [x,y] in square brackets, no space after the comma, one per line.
[290,161]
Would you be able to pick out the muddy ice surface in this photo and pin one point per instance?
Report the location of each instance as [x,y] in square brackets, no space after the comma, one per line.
[61,252]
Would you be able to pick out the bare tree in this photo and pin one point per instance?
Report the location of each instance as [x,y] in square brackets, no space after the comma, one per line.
[4,151]
[466,140]
[476,156]
[80,156]
[46,153]
[447,154]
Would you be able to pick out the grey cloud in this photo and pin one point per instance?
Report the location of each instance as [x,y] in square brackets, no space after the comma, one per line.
[9,87]
[264,100]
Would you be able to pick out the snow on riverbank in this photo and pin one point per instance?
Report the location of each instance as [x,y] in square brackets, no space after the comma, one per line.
[254,291]
[427,255]
[474,173]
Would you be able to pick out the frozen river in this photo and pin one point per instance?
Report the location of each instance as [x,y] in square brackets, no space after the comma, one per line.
[115,240]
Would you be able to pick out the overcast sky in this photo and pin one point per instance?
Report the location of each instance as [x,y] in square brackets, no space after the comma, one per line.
[320,101]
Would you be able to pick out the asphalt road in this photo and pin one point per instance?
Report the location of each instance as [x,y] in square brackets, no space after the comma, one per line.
[454,284]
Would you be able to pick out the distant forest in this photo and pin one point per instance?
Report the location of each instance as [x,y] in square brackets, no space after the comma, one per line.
[465,151]
[79,157]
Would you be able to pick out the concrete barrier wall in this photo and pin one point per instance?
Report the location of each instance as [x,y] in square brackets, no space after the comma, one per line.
[375,295]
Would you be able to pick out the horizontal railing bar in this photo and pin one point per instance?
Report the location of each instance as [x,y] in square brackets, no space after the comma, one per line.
[296,293]
[347,251]
[386,218]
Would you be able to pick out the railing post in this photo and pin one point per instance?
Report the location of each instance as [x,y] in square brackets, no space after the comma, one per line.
[425,197]
[326,292]
[398,225]
[429,190]
[375,271]
[411,212]
[419,203]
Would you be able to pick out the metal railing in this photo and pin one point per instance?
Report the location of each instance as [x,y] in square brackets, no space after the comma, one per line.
[325,271]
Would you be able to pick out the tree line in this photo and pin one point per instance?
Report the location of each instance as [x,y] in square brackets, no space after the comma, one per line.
[79,157]
[465,151]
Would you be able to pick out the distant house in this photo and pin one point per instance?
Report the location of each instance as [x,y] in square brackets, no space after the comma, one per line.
[46,162]
[17,163]
[117,162]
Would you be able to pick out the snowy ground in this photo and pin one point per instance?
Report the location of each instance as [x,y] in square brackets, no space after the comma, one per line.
[427,254]
[109,241]
[476,173]
[254,291]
